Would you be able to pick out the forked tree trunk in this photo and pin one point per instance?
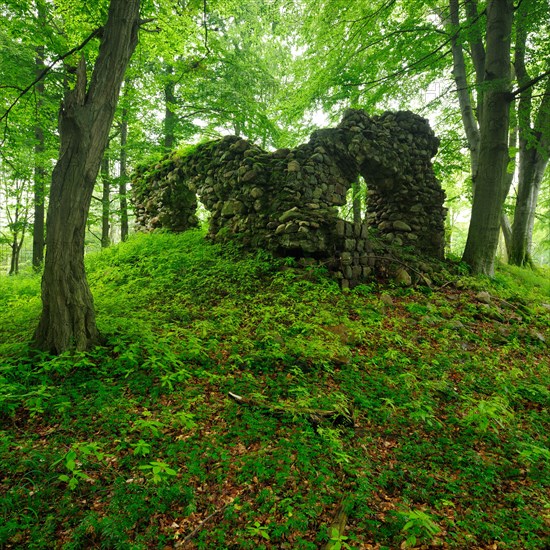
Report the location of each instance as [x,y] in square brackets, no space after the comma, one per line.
[68,317]
[16,246]
[491,183]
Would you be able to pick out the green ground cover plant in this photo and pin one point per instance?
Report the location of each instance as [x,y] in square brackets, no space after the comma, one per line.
[137,443]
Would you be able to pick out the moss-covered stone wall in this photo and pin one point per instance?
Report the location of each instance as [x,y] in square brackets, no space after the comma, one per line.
[286,201]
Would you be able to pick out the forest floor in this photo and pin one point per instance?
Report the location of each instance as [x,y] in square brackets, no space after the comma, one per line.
[382,417]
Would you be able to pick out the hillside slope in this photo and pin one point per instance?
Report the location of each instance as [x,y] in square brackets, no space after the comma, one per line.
[403,417]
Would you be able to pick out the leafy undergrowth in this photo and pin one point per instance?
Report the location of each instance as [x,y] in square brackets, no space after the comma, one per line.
[138,444]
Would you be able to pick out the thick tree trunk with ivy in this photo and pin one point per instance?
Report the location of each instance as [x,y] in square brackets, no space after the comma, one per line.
[491,186]
[68,317]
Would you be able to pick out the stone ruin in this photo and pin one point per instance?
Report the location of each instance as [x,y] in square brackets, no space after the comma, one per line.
[286,201]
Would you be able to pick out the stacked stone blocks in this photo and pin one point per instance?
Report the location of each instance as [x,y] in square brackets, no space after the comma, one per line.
[286,201]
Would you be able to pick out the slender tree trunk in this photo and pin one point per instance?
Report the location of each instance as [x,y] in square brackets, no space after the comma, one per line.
[39,198]
[14,261]
[505,225]
[467,110]
[532,169]
[491,182]
[169,114]
[105,201]
[237,128]
[15,250]
[449,223]
[477,52]
[39,171]
[123,176]
[68,317]
[356,197]
[534,152]
[506,229]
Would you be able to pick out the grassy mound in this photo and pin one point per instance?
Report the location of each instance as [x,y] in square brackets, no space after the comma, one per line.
[419,414]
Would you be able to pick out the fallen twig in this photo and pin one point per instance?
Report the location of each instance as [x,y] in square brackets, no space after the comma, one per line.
[200,526]
[337,527]
[316,416]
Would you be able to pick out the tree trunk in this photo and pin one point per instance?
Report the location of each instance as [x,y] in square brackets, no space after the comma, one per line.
[505,225]
[39,171]
[105,202]
[237,128]
[534,151]
[39,197]
[491,182]
[15,253]
[169,115]
[123,176]
[68,317]
[532,167]
[477,52]
[464,97]
[356,198]
[506,229]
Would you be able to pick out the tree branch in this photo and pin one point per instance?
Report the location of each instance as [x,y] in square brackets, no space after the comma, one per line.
[7,87]
[200,525]
[47,69]
[93,234]
[390,35]
[365,20]
[144,22]
[512,95]
[370,15]
[205,25]
[404,70]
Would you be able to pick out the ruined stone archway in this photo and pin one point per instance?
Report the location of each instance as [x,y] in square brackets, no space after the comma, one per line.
[286,201]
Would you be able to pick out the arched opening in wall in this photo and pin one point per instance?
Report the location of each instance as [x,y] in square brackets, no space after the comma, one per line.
[356,202]
[377,187]
[370,201]
[203,214]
